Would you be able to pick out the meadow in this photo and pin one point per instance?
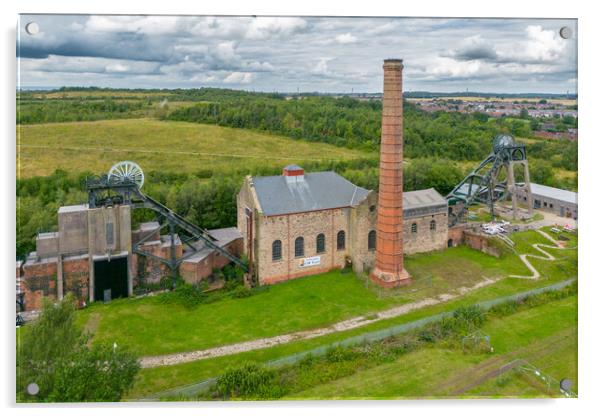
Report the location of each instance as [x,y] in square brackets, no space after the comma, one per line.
[164,146]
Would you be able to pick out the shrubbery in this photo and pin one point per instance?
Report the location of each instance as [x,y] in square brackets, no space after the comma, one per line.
[53,352]
[250,381]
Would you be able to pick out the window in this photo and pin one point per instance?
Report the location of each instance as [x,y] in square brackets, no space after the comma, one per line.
[414,228]
[299,247]
[109,232]
[433,225]
[320,243]
[545,204]
[341,240]
[276,250]
[372,240]
[372,208]
[551,206]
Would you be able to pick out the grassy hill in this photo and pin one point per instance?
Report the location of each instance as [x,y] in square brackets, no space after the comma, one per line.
[161,146]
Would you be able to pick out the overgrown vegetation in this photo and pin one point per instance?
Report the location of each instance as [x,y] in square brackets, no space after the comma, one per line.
[192,295]
[54,354]
[253,381]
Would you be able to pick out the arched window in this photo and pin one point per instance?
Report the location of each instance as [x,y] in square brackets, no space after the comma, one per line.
[320,243]
[433,225]
[372,240]
[341,240]
[299,247]
[414,228]
[276,250]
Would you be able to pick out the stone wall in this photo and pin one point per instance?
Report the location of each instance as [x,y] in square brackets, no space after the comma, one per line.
[287,228]
[363,220]
[425,239]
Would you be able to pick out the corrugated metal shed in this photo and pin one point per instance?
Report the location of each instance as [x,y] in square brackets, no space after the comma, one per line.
[554,193]
[310,192]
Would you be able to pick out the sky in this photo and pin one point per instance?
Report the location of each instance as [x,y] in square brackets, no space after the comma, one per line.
[289,54]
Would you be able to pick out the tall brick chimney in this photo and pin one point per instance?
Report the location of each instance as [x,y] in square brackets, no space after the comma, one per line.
[388,270]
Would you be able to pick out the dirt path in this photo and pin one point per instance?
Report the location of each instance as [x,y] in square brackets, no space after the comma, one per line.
[184,357]
[177,358]
[546,256]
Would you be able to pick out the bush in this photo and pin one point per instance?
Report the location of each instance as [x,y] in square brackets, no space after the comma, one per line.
[184,294]
[241,292]
[470,317]
[250,381]
[339,354]
[53,353]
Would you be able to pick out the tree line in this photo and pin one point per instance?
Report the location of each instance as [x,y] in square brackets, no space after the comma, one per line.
[355,124]
[209,198]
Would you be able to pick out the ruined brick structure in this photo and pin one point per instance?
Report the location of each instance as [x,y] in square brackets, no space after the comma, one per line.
[99,240]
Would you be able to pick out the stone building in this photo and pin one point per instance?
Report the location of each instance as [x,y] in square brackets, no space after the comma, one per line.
[559,201]
[299,223]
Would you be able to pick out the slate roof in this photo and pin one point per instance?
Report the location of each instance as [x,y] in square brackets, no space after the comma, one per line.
[316,191]
[554,193]
[423,198]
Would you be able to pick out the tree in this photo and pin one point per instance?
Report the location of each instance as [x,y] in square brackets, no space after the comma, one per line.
[54,354]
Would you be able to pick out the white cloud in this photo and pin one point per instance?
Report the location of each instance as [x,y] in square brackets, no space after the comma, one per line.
[162,51]
[150,25]
[265,27]
[321,68]
[239,78]
[117,67]
[346,38]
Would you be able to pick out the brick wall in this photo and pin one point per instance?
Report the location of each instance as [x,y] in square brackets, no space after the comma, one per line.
[481,242]
[150,270]
[456,235]
[39,280]
[76,277]
[194,272]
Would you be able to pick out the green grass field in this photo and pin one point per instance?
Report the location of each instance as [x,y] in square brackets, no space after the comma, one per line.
[544,336]
[159,145]
[151,328]
[305,303]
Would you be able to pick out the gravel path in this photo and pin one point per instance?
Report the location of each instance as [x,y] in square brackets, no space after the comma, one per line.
[546,256]
[184,357]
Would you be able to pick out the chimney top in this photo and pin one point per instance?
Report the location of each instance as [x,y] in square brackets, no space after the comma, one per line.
[393,63]
[293,170]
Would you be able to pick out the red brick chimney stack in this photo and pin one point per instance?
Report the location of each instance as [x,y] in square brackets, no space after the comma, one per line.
[388,270]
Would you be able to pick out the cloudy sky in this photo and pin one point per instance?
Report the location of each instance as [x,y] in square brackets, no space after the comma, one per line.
[297,53]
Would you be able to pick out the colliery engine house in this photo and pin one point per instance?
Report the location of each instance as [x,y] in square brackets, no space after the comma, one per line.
[300,223]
